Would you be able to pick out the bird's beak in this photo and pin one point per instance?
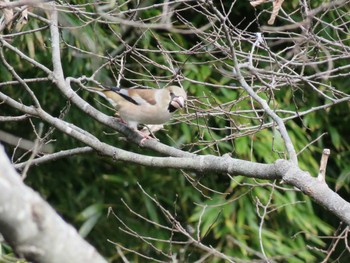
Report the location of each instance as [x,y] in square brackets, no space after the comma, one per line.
[178,102]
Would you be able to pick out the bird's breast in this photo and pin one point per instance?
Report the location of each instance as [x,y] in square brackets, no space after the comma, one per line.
[145,115]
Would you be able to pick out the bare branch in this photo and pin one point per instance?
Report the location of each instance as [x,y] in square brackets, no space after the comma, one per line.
[54,156]
[37,228]
[323,165]
[24,143]
[277,4]
[260,86]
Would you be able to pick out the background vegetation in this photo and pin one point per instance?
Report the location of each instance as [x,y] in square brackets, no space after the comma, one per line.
[242,218]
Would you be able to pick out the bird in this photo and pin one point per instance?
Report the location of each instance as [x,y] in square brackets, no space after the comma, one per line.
[139,105]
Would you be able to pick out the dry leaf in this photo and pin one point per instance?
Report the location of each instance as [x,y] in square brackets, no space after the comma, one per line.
[8,14]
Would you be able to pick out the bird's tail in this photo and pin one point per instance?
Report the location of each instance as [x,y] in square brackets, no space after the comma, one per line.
[98,90]
[103,89]
[94,89]
[109,93]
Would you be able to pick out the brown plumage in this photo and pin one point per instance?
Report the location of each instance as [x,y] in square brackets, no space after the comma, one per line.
[144,106]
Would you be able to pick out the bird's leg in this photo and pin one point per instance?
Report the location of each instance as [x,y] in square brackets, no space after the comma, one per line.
[122,121]
[148,131]
[152,129]
[145,137]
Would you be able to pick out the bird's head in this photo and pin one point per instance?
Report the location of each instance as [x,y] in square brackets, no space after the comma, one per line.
[178,97]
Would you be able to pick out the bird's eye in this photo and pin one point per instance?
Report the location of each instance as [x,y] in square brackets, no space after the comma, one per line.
[172,94]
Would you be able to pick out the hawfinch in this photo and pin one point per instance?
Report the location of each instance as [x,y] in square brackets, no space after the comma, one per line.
[142,105]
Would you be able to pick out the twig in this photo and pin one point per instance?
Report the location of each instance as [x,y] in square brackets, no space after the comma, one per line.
[23,143]
[323,165]
[34,151]
[20,3]
[120,252]
[277,4]
[199,223]
[55,156]
[262,220]
[312,142]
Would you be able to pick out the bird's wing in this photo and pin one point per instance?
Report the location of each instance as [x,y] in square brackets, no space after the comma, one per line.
[141,95]
[114,95]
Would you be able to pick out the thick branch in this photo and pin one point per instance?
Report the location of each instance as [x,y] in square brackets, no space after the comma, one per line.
[316,189]
[34,230]
[282,169]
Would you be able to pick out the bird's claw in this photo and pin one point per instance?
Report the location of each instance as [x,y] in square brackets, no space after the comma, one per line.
[145,138]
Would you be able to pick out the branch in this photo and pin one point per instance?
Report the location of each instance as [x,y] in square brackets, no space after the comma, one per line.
[281,169]
[33,229]
[277,4]
[282,128]
[323,165]
[315,189]
[55,156]
[64,86]
[20,3]
[23,143]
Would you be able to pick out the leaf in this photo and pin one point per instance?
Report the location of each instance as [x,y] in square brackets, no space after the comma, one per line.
[8,15]
[90,216]
[151,209]
[335,137]
[90,211]
[88,225]
[343,180]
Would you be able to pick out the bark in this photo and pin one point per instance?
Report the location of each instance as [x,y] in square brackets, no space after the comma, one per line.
[33,229]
